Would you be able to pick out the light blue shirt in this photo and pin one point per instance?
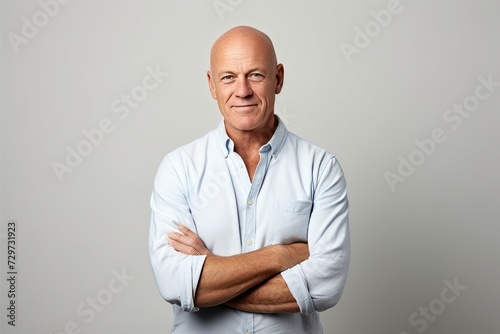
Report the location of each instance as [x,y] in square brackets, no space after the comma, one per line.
[298,193]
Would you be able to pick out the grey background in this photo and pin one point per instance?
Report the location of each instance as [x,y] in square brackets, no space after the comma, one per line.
[440,224]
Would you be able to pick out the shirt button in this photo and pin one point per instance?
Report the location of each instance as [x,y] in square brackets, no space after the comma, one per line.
[249,242]
[250,202]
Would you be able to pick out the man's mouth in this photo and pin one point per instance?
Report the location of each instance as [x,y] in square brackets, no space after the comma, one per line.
[244,107]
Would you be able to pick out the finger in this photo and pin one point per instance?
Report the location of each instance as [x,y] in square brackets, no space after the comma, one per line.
[181,247]
[191,238]
[175,236]
[177,239]
[175,245]
[190,241]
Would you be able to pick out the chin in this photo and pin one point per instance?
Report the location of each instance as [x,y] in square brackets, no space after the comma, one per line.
[245,126]
[245,121]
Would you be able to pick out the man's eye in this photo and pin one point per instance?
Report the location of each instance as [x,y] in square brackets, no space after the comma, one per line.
[256,76]
[227,78]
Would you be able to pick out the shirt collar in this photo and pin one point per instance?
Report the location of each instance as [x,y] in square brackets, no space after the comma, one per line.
[274,144]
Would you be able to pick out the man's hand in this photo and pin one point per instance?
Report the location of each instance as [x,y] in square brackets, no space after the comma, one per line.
[188,242]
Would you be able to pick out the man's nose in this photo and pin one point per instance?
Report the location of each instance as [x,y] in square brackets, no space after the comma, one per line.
[243,88]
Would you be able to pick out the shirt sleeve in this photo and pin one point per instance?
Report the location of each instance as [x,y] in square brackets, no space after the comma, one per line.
[177,275]
[318,282]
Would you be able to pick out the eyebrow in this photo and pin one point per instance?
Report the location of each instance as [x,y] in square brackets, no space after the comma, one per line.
[254,69]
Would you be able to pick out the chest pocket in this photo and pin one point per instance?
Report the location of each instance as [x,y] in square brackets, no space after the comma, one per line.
[289,221]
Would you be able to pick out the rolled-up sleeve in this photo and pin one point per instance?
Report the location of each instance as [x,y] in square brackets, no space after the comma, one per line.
[177,275]
[318,282]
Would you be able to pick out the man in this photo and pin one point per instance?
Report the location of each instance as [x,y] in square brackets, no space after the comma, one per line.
[249,228]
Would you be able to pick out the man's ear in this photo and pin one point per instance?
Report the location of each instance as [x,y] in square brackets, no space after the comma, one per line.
[280,77]
[211,85]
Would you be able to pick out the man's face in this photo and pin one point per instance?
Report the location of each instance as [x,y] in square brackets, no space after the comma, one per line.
[244,79]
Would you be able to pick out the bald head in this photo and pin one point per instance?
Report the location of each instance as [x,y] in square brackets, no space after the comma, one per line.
[243,38]
[244,78]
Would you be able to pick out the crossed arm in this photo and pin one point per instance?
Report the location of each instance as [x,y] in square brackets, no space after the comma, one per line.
[249,282]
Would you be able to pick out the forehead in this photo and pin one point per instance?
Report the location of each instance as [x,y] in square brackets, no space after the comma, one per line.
[240,62]
[242,53]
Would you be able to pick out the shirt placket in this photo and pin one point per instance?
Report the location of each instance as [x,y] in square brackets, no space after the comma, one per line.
[251,218]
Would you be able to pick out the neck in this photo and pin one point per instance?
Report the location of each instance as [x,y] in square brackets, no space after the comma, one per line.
[247,142]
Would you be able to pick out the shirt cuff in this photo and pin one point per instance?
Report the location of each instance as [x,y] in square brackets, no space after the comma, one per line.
[297,284]
[189,278]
